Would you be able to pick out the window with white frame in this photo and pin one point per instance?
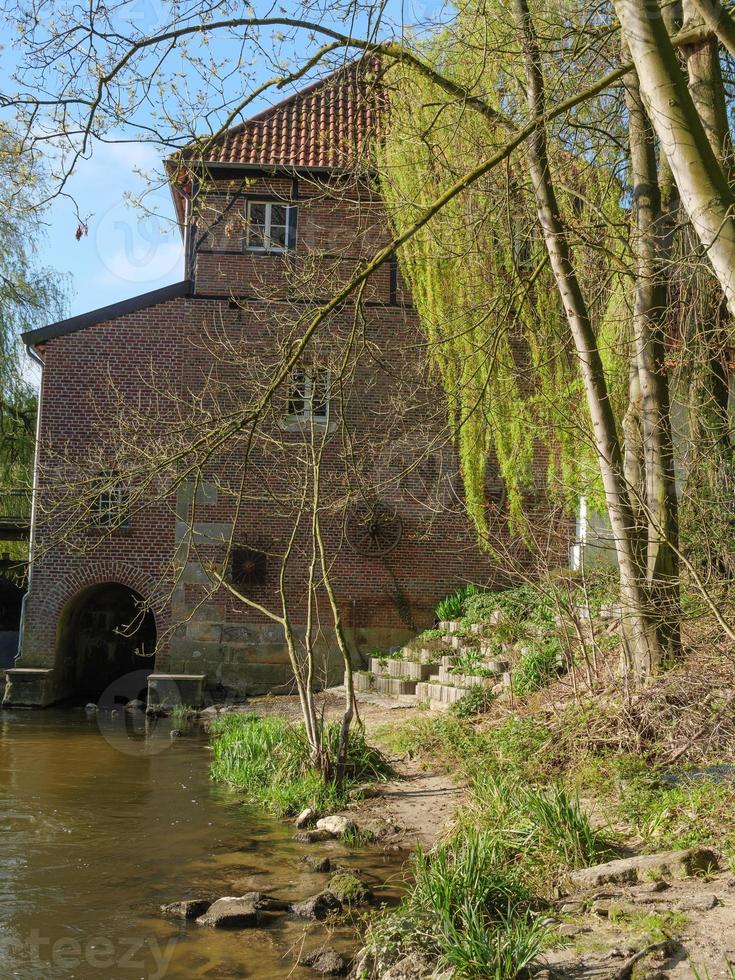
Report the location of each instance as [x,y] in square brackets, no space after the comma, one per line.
[308,396]
[269,226]
[113,507]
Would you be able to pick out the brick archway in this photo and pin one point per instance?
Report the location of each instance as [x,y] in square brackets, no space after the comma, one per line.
[104,632]
[48,607]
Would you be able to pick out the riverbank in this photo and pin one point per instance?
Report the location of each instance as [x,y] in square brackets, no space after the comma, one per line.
[514,806]
[656,800]
[418,804]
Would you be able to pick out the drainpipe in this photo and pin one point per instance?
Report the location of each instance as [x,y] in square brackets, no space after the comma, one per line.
[21,629]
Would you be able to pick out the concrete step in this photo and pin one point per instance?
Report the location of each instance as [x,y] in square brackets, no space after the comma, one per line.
[403,690]
[394,686]
[446,694]
[406,669]
[466,680]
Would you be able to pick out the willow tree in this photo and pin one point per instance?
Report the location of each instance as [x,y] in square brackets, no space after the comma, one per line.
[540,295]
[30,295]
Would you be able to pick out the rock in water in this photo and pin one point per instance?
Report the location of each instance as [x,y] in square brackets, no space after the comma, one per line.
[336,825]
[313,836]
[243,912]
[322,865]
[189,908]
[305,818]
[318,907]
[326,961]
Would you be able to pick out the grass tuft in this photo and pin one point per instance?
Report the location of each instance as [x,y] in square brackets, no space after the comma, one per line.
[269,759]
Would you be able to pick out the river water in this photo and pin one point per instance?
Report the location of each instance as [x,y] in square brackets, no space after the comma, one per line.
[101,822]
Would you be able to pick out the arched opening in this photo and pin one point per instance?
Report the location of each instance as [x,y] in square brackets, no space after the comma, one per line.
[104,634]
[11,604]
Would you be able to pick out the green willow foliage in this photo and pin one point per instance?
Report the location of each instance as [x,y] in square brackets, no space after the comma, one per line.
[30,296]
[478,272]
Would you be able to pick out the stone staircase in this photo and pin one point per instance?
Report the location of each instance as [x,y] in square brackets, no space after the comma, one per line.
[429,670]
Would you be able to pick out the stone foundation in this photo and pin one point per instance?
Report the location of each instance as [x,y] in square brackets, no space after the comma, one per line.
[29,687]
[168,690]
[252,659]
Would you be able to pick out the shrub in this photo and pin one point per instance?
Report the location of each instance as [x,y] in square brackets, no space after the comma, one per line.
[477,701]
[539,664]
[269,759]
[452,607]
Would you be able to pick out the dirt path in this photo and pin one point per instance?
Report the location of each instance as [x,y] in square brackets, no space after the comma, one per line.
[418,806]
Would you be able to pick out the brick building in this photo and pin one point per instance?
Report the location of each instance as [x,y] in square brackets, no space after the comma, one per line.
[283,213]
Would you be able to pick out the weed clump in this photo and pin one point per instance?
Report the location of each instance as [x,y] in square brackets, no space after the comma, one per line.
[269,760]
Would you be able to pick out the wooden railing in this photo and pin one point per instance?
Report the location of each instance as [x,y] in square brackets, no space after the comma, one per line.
[15,509]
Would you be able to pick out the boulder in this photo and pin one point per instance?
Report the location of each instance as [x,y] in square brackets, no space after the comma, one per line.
[313,836]
[305,818]
[326,961]
[411,967]
[188,908]
[318,906]
[240,912]
[336,825]
[321,865]
[698,903]
[350,889]
[645,867]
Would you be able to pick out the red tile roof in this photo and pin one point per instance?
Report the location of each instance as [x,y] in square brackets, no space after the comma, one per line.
[327,125]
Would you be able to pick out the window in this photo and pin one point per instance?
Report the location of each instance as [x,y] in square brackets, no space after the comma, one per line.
[308,396]
[269,226]
[113,507]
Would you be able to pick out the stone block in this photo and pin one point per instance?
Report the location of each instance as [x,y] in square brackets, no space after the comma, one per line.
[169,690]
[29,687]
[204,632]
[646,867]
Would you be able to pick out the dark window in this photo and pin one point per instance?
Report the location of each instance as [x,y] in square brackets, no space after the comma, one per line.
[308,395]
[248,567]
[269,226]
[113,507]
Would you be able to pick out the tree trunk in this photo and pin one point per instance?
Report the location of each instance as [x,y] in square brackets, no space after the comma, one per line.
[638,623]
[703,187]
[660,505]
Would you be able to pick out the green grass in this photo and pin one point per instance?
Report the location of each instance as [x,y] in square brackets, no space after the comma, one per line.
[268,759]
[467,909]
[452,607]
[657,926]
[544,829]
[538,665]
[474,900]
[182,716]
